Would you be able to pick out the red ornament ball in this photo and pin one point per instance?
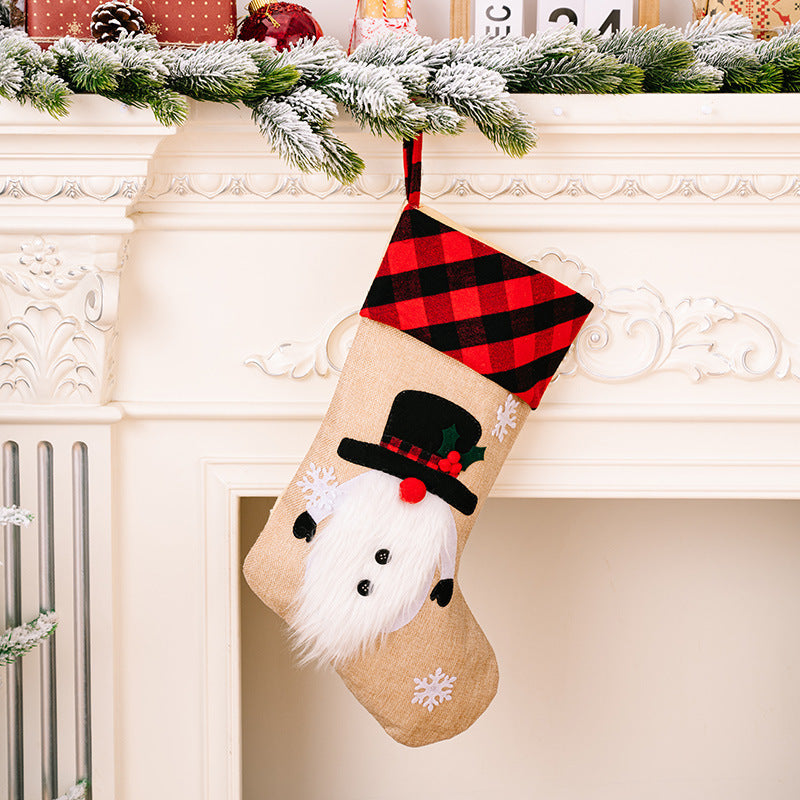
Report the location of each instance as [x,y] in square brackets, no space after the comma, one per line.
[412,490]
[278,24]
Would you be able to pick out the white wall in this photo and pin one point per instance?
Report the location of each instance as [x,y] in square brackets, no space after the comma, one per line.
[647,649]
[433,16]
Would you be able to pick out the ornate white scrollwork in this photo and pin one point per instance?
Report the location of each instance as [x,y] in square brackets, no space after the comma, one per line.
[42,273]
[632,332]
[57,321]
[45,188]
[46,357]
[488,186]
[323,354]
[213,187]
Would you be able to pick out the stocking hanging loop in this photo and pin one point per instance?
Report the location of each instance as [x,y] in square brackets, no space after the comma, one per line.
[412,167]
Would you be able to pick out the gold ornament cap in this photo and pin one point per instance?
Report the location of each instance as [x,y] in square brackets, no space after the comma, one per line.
[254,5]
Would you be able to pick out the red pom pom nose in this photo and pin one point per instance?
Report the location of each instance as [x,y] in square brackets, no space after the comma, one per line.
[412,490]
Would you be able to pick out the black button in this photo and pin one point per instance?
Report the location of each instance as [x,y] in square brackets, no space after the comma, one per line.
[383,556]
[364,588]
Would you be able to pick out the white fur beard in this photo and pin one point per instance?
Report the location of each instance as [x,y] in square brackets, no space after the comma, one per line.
[332,622]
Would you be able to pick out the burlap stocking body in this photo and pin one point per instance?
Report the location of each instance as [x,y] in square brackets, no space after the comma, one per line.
[360,555]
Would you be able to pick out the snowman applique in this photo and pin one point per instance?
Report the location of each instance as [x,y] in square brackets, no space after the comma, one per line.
[371,566]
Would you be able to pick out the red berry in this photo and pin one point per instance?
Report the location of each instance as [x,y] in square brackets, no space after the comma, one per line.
[412,490]
[455,469]
[445,465]
[454,456]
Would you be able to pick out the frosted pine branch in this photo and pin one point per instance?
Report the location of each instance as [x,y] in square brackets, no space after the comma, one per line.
[698,77]
[10,78]
[743,70]
[479,94]
[339,160]
[15,642]
[14,515]
[720,28]
[313,106]
[222,70]
[290,135]
[315,59]
[441,119]
[370,90]
[76,792]
[88,68]
[663,54]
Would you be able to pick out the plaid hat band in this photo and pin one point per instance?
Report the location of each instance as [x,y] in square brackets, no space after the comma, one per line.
[411,451]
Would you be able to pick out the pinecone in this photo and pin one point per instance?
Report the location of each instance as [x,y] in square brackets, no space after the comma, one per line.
[110,19]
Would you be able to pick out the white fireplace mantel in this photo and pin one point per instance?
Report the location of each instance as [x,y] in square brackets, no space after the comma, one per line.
[240,278]
[183,301]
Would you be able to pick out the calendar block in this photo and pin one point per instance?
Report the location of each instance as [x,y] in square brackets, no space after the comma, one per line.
[499,18]
[556,13]
[607,16]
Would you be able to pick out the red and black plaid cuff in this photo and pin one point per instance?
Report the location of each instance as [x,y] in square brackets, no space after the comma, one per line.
[493,313]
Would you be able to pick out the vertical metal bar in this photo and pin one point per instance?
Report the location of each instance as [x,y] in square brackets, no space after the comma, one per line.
[83,686]
[47,602]
[12,560]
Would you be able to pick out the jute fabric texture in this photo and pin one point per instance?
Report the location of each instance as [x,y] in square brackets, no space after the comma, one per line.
[395,416]
[383,362]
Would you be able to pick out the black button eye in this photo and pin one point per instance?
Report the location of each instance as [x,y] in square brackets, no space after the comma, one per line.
[383,556]
[364,588]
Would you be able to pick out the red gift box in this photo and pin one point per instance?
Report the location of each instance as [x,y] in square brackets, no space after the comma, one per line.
[185,22]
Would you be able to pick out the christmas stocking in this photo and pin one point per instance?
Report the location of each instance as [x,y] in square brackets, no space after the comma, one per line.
[456,343]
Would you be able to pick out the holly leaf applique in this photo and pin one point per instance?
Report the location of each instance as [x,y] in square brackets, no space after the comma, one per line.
[472,455]
[449,439]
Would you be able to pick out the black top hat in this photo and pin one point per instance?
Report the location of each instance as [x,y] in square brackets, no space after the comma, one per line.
[419,427]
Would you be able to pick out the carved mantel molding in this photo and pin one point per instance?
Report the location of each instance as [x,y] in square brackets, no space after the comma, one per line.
[65,190]
[633,332]
[73,191]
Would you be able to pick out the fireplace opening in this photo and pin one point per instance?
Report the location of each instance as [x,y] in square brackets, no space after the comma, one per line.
[646,648]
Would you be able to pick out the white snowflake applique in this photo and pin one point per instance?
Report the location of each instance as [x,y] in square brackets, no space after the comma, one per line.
[506,417]
[434,689]
[319,486]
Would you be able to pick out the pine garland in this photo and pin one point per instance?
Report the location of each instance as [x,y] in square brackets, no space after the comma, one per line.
[396,86]
[77,792]
[14,515]
[15,642]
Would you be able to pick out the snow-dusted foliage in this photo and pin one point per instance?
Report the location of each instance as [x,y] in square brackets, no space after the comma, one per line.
[14,515]
[506,417]
[435,689]
[319,486]
[76,792]
[15,642]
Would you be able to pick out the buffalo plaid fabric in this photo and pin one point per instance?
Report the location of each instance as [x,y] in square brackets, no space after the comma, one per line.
[411,451]
[412,166]
[495,314]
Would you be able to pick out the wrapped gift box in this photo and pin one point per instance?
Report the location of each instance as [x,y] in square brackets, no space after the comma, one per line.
[766,15]
[190,22]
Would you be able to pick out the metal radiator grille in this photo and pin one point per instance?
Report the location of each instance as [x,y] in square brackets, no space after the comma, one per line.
[16,689]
